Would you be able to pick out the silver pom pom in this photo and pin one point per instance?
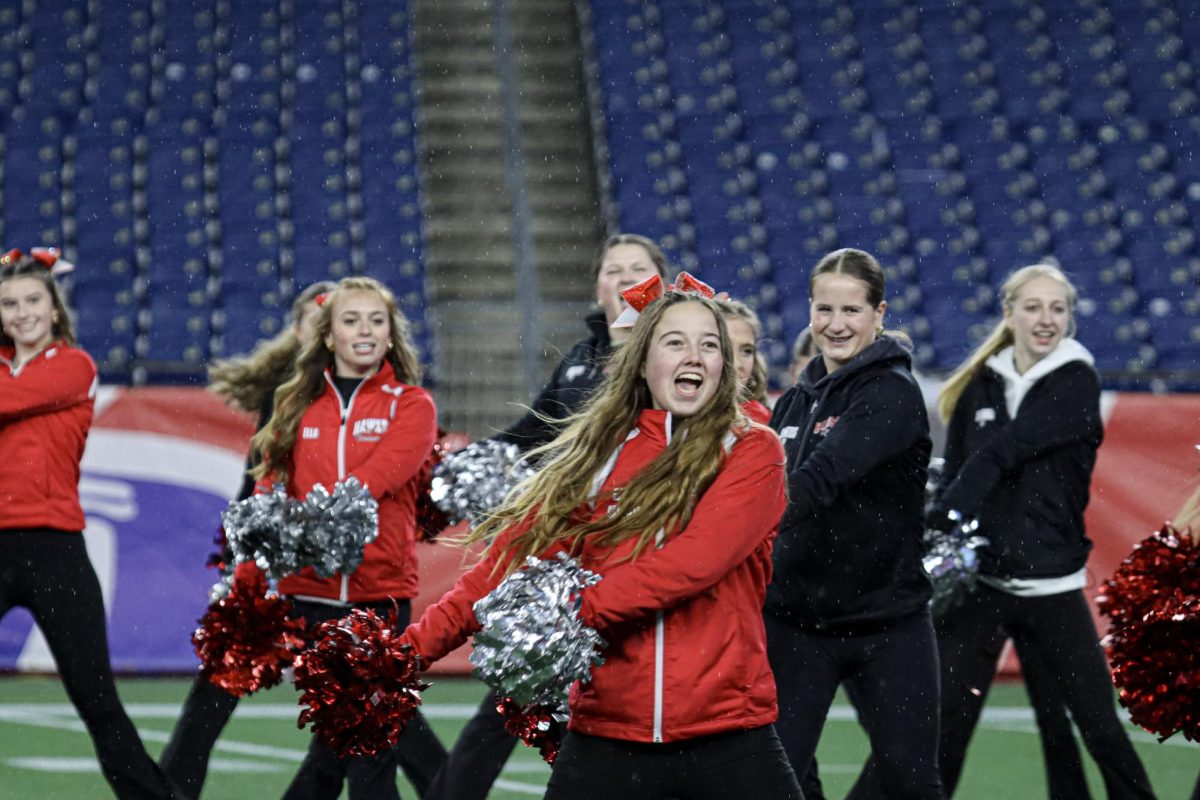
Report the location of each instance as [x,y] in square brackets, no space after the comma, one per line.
[532,645]
[470,483]
[327,532]
[261,529]
[337,526]
[952,561]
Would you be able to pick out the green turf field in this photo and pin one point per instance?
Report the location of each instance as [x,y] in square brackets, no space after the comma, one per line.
[45,754]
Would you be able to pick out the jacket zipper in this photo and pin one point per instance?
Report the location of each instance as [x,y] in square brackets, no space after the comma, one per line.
[659,635]
[658,667]
[344,594]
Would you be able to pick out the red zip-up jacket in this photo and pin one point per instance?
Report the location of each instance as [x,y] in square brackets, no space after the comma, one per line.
[45,413]
[383,436]
[686,653]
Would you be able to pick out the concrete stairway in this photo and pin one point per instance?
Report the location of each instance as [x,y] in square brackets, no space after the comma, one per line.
[469,216]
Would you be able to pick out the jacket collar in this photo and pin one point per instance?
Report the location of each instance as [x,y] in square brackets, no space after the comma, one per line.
[1016,385]
[8,354]
[1068,350]
[656,425]
[380,377]
[884,350]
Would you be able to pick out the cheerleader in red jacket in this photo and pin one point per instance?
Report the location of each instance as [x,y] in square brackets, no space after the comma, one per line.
[247,383]
[353,408]
[664,488]
[47,387]
[745,330]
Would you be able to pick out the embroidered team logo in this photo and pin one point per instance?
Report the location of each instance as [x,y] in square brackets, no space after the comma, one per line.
[311,433]
[824,426]
[370,429]
[984,415]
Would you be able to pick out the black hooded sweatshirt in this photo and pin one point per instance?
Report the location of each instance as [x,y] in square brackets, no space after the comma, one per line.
[1026,479]
[848,556]
[571,384]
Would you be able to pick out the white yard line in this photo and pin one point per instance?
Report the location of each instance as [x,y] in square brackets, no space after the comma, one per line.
[62,716]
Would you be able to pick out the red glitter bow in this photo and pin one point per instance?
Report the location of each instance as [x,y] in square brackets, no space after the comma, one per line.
[48,257]
[643,294]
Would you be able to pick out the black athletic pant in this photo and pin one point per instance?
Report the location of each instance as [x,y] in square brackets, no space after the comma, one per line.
[48,572]
[1065,779]
[810,779]
[323,772]
[736,765]
[1058,631]
[1064,768]
[201,720]
[477,757]
[892,668]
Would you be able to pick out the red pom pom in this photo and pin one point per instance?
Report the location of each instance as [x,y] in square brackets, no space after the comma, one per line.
[534,725]
[246,639]
[1153,600]
[360,681]
[1159,574]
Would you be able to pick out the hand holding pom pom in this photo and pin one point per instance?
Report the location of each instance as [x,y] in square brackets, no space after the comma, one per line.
[951,559]
[327,532]
[247,638]
[261,529]
[532,645]
[337,526]
[360,681]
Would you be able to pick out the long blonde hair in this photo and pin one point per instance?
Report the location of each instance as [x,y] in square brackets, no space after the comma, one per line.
[661,496]
[292,399]
[756,387]
[1001,336]
[246,382]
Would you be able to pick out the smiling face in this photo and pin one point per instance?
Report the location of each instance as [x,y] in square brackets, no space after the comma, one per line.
[27,314]
[359,334]
[683,365]
[623,265]
[843,320]
[744,348]
[1039,317]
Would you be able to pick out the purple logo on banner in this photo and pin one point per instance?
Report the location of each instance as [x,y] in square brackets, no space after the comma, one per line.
[153,506]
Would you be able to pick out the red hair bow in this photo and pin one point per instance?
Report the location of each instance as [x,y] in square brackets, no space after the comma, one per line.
[321,298]
[643,294]
[46,256]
